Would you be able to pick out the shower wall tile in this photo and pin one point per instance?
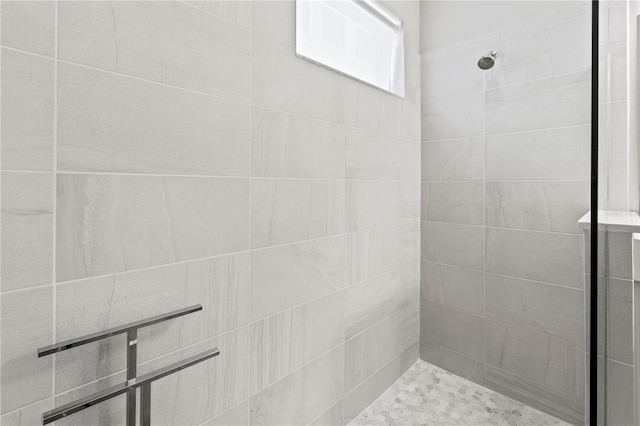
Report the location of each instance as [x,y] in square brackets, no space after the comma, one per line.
[28,415]
[455,330]
[334,416]
[285,276]
[275,20]
[555,363]
[291,146]
[451,287]
[109,224]
[284,211]
[206,389]
[322,383]
[173,36]
[220,284]
[550,102]
[561,154]
[452,244]
[371,155]
[566,407]
[620,395]
[453,160]
[370,350]
[372,204]
[454,202]
[28,112]
[452,75]
[569,45]
[234,416]
[555,310]
[235,12]
[612,67]
[620,255]
[454,117]
[520,59]
[113,123]
[378,298]
[548,257]
[360,397]
[285,82]
[29,26]
[377,251]
[27,324]
[544,206]
[27,230]
[459,365]
[283,343]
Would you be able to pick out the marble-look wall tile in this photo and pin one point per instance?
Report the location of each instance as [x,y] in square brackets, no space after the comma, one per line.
[237,12]
[459,365]
[569,45]
[449,75]
[173,36]
[374,204]
[321,382]
[27,324]
[455,117]
[27,230]
[283,343]
[554,310]
[291,146]
[220,284]
[455,330]
[543,206]
[370,350]
[454,202]
[29,26]
[283,81]
[620,254]
[29,415]
[285,276]
[453,244]
[276,20]
[377,251]
[284,211]
[621,394]
[113,123]
[27,111]
[452,287]
[371,155]
[373,300]
[560,154]
[551,102]
[362,396]
[541,256]
[555,363]
[206,389]
[109,224]
[519,59]
[334,416]
[452,160]
[234,416]
[566,407]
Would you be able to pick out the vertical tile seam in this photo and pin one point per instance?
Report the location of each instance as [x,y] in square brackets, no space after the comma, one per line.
[55,198]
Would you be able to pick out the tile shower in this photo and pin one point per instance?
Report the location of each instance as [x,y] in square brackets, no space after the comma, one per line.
[156,155]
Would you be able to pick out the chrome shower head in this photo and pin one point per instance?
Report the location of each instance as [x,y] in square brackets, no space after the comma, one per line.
[488,60]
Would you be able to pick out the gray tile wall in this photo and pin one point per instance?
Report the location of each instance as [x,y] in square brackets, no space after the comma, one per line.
[160,154]
[505,169]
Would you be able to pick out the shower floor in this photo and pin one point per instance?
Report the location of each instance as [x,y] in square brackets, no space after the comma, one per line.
[428,395]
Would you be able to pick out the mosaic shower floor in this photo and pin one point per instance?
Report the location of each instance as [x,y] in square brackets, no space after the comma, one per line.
[428,395]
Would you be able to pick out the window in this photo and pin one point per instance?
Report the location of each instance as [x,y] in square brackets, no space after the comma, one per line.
[359,38]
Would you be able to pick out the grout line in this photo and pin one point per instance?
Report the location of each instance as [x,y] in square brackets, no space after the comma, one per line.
[250,242]
[538,231]
[54,168]
[515,132]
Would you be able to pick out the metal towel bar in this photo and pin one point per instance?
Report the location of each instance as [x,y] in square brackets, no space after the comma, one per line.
[130,386]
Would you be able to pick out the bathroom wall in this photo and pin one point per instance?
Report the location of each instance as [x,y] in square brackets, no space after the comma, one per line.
[156,155]
[505,177]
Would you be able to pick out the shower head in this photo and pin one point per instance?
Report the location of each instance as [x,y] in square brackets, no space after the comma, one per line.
[487,60]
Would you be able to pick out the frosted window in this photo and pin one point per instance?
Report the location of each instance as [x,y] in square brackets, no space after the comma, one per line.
[359,38]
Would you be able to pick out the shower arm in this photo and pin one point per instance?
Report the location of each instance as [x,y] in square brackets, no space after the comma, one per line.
[130,386]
